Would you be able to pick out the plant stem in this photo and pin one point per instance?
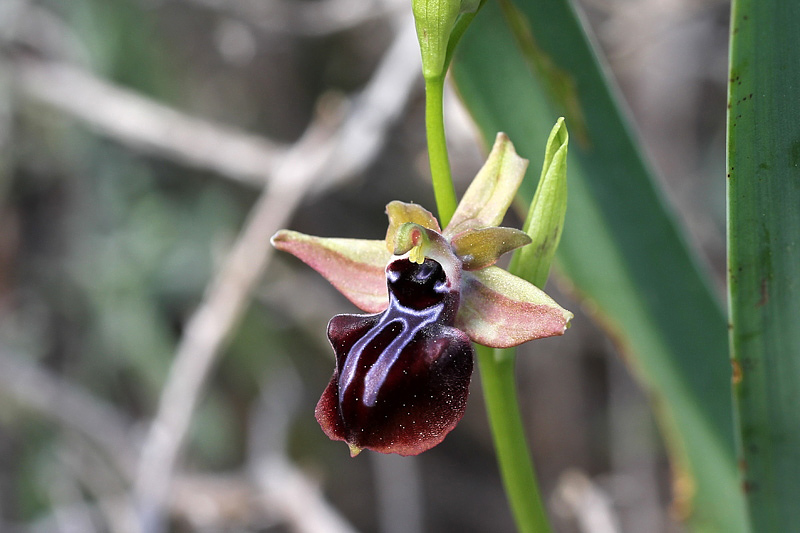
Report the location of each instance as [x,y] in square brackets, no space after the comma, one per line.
[497,366]
[443,188]
[516,467]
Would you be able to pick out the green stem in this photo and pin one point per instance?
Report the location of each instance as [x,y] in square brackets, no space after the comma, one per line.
[516,467]
[443,188]
[497,366]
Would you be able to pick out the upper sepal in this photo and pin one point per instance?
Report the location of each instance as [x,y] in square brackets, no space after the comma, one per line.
[500,310]
[491,192]
[354,266]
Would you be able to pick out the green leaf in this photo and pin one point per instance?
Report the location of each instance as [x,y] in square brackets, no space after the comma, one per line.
[621,247]
[764,253]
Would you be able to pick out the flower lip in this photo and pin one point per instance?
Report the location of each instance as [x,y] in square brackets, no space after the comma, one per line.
[402,376]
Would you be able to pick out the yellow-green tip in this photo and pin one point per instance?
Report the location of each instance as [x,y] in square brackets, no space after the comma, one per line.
[354,450]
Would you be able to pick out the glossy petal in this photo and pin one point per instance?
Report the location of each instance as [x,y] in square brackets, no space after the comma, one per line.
[422,400]
[402,377]
[400,212]
[354,266]
[482,247]
[488,197]
[501,310]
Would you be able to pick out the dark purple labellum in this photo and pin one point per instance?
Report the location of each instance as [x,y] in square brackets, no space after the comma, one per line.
[402,376]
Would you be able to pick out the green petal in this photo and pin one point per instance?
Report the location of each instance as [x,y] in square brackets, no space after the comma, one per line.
[546,215]
[400,212]
[501,310]
[354,266]
[480,248]
[488,197]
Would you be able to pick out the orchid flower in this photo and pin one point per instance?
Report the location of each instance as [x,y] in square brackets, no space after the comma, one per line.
[402,374]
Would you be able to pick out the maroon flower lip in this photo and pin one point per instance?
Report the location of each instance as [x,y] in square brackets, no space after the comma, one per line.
[402,376]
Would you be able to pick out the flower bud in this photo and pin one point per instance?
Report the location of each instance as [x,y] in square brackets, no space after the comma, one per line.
[434,20]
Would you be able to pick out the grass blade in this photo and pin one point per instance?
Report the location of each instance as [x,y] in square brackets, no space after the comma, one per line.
[764,253]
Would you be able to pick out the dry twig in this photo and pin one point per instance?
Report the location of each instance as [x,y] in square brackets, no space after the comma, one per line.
[234,496]
[148,125]
[291,496]
[587,503]
[309,19]
[156,128]
[33,387]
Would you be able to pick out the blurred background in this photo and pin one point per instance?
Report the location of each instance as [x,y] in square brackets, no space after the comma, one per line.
[158,360]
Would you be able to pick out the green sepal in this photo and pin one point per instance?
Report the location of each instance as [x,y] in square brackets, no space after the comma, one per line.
[545,220]
[356,267]
[500,310]
[488,197]
[482,247]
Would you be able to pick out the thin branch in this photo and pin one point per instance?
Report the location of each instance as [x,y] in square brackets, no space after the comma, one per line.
[104,488]
[286,492]
[587,503]
[306,19]
[271,417]
[220,502]
[296,499]
[399,493]
[212,323]
[33,387]
[376,108]
[148,125]
[65,494]
[27,25]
